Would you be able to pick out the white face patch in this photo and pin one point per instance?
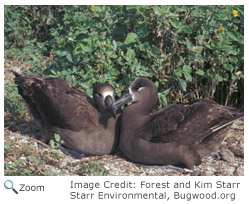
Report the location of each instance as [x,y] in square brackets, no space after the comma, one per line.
[140,88]
[108,93]
[133,97]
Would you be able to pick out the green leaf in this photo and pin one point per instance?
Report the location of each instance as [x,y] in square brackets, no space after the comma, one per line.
[186,29]
[33,159]
[60,53]
[130,38]
[197,49]
[71,39]
[7,145]
[229,49]
[69,57]
[57,137]
[162,97]
[19,161]
[200,72]
[226,76]
[130,55]
[189,44]
[69,78]
[187,68]
[144,73]
[114,72]
[232,35]
[166,92]
[234,77]
[182,84]
[157,84]
[219,77]
[49,173]
[114,45]
[178,72]
[234,59]
[85,48]
[52,143]
[188,76]
[207,45]
[174,22]
[236,36]
[163,100]
[228,67]
[53,72]
[142,31]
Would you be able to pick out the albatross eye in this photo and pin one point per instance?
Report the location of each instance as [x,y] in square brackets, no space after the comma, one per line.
[136,88]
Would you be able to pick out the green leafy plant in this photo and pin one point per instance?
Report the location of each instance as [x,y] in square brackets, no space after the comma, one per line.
[24,159]
[94,168]
[56,142]
[189,51]
[7,146]
[13,104]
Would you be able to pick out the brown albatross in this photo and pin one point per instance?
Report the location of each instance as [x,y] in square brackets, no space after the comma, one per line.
[85,124]
[178,134]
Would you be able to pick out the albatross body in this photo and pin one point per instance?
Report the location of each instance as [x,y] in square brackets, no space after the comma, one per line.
[85,124]
[178,134]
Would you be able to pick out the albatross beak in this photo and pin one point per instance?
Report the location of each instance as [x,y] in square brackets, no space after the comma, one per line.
[108,101]
[126,98]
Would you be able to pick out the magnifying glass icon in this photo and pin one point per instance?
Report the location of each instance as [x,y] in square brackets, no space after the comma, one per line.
[8,184]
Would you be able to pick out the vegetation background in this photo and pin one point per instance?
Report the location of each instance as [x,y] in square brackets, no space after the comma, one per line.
[188,51]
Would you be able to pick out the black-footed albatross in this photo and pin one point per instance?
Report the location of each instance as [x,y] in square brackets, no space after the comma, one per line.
[178,134]
[86,125]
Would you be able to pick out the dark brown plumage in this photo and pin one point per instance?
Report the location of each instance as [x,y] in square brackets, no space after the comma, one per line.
[85,124]
[178,134]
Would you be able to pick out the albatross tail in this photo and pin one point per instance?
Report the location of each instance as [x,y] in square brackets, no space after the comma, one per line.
[215,136]
[226,123]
